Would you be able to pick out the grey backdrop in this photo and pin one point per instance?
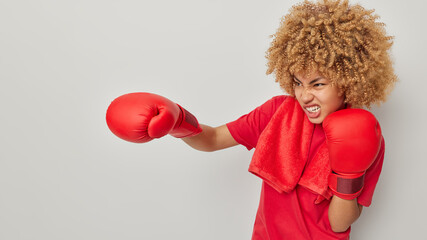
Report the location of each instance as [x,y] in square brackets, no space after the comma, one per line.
[63,175]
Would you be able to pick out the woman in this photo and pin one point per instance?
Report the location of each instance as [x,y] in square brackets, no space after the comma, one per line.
[319,154]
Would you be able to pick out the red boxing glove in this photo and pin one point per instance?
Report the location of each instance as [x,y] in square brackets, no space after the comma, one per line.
[354,139]
[141,117]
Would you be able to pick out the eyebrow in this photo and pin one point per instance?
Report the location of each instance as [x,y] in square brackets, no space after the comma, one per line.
[312,81]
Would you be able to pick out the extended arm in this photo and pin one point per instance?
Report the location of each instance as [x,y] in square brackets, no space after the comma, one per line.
[141,117]
[211,139]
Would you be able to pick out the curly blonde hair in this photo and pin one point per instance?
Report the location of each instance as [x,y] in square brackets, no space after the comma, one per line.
[342,42]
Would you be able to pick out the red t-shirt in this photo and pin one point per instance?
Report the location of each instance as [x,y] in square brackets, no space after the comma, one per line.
[294,215]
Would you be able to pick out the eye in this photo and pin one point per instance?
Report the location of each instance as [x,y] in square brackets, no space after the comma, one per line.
[297,84]
[319,84]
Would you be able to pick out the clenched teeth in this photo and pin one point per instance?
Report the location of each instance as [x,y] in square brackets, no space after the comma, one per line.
[313,109]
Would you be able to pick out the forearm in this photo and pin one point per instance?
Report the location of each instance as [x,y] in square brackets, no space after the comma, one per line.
[211,139]
[342,213]
[203,141]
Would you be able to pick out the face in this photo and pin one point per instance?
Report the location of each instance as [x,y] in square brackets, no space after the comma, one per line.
[317,96]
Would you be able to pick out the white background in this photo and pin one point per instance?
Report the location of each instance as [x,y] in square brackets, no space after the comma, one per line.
[64,175]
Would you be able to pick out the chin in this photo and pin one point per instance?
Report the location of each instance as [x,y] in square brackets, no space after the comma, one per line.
[316,121]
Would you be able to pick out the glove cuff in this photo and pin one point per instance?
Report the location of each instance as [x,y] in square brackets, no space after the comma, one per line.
[346,186]
[186,126]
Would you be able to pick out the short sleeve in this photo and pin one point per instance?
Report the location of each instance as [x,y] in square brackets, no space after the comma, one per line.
[247,129]
[371,178]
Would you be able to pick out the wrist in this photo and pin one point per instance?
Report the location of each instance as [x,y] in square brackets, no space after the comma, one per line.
[186,126]
[346,186]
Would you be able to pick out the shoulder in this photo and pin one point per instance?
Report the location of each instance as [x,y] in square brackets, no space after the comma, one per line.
[281,98]
[274,103]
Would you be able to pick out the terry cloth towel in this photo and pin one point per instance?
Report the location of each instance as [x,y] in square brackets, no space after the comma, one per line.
[281,154]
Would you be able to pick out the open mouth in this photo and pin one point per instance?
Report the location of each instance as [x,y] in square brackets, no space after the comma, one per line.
[313,109]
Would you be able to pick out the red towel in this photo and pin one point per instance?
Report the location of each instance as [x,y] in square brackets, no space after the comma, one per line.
[281,154]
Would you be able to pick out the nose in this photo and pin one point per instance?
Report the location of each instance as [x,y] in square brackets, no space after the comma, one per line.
[306,95]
